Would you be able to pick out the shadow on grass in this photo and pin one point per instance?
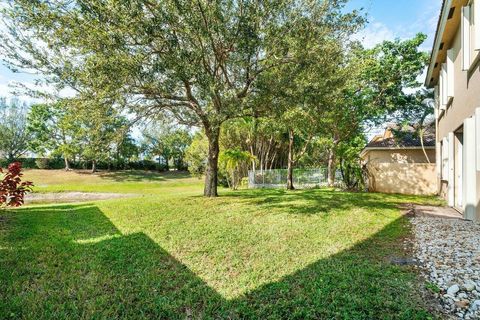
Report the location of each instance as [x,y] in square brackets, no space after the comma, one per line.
[314,201]
[70,261]
[139,175]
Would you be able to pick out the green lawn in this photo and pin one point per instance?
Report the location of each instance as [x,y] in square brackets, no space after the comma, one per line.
[170,253]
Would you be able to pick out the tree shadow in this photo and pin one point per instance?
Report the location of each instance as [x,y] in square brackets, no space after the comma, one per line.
[139,175]
[70,261]
[318,201]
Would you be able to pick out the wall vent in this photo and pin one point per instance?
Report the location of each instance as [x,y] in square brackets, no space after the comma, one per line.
[450,13]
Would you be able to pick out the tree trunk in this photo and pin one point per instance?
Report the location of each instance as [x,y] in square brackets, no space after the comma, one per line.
[167,165]
[94,166]
[290,161]
[253,159]
[423,146]
[211,171]
[331,167]
[332,162]
[67,164]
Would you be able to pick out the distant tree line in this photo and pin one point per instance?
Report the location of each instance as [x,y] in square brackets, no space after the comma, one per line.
[56,135]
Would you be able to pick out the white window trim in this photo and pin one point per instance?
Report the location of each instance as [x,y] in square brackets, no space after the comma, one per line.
[444,173]
[477,135]
[450,73]
[439,160]
[469,173]
[465,26]
[444,87]
[451,169]
[476,24]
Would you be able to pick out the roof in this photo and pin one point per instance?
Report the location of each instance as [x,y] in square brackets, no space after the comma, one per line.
[402,138]
[434,46]
[447,26]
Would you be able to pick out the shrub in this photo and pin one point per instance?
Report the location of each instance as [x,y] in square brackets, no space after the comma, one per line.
[12,189]
[42,163]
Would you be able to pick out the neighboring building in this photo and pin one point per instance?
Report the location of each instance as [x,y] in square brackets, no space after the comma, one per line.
[454,73]
[396,162]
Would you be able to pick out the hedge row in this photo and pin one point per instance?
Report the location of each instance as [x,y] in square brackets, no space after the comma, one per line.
[59,163]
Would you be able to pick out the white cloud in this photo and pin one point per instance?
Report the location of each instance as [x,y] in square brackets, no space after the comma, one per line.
[373,34]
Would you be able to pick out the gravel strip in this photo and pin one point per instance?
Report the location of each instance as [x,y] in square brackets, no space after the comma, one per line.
[448,252]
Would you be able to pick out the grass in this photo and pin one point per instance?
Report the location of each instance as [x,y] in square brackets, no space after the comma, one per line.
[135,181]
[258,254]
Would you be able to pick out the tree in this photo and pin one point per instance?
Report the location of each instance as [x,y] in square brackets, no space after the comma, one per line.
[53,130]
[101,128]
[381,85]
[305,95]
[125,151]
[234,163]
[197,60]
[196,154]
[417,114]
[264,138]
[14,136]
[167,141]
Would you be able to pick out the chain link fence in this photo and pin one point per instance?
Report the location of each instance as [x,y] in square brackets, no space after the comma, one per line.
[302,178]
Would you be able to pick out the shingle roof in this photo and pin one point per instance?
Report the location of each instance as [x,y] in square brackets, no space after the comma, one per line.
[404,138]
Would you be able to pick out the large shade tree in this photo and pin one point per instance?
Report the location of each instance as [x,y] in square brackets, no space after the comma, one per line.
[197,60]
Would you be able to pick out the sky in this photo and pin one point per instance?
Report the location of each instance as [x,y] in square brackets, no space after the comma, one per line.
[388,20]
[391,19]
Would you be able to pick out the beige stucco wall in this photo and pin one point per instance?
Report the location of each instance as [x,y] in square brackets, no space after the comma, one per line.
[401,171]
[404,178]
[466,94]
[466,99]
[399,156]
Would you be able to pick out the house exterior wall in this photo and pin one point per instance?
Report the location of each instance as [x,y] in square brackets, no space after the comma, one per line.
[401,171]
[458,118]
[466,94]
[399,156]
[404,178]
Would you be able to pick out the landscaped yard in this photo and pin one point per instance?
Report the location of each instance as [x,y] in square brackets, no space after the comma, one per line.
[171,253]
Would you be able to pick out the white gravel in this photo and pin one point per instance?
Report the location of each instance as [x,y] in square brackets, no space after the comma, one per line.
[448,252]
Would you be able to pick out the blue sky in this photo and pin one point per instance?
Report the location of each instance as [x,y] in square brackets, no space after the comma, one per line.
[388,19]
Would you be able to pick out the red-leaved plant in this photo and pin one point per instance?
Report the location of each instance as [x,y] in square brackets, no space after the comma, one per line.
[12,189]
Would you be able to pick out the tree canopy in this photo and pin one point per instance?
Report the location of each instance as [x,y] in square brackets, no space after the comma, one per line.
[200,61]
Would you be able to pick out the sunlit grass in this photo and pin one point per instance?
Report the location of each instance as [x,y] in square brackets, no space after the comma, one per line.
[134,181]
[173,254]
